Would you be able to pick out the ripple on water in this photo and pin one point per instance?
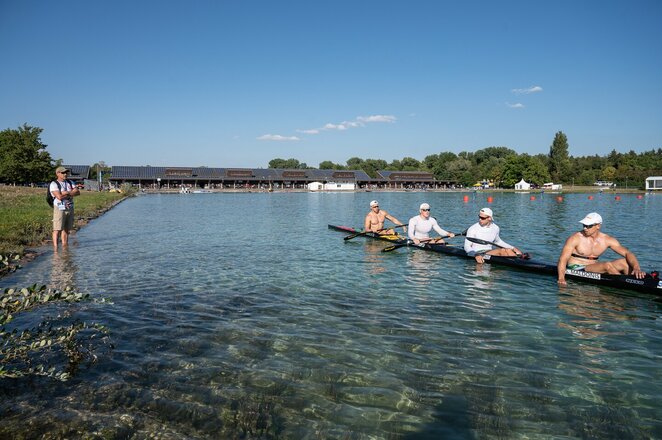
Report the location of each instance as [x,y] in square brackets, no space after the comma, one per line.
[271,326]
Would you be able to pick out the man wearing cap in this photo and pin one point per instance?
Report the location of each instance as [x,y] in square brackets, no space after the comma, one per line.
[374,220]
[485,229]
[582,250]
[420,226]
[63,192]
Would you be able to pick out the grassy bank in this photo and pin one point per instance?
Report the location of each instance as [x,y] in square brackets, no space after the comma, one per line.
[26,219]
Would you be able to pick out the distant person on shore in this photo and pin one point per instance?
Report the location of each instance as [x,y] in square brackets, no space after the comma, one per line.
[582,250]
[374,220]
[421,225]
[63,192]
[485,229]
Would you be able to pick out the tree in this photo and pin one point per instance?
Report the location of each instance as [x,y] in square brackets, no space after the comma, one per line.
[286,164]
[523,166]
[371,166]
[23,157]
[354,163]
[559,161]
[328,165]
[410,164]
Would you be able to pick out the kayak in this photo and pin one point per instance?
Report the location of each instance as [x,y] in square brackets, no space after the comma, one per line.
[650,284]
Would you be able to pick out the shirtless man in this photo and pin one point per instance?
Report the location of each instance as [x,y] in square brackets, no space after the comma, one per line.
[374,220]
[582,250]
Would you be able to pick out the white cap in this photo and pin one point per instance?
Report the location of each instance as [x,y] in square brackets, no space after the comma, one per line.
[374,203]
[591,219]
[424,206]
[486,211]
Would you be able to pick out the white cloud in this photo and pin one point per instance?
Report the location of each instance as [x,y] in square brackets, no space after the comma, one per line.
[360,121]
[533,89]
[517,105]
[277,137]
[376,118]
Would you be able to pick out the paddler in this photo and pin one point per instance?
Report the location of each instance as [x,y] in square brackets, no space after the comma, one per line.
[374,220]
[421,225]
[485,229]
[582,250]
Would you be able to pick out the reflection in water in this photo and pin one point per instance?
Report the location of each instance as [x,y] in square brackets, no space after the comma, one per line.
[374,256]
[63,269]
[590,311]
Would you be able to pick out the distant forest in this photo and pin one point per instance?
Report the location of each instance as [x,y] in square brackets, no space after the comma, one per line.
[505,167]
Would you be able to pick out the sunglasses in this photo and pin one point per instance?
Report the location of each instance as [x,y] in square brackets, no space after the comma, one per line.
[427,210]
[589,226]
[483,218]
[375,206]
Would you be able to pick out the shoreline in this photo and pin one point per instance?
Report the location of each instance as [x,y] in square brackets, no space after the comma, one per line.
[575,190]
[31,253]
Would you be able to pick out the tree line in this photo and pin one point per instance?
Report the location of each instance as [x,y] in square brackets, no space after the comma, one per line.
[25,160]
[505,167]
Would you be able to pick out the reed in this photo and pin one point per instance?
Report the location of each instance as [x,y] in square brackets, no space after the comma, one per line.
[26,218]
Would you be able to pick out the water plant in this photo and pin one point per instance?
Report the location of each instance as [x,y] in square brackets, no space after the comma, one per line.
[52,348]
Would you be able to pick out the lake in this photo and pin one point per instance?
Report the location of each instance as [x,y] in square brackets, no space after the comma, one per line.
[244,316]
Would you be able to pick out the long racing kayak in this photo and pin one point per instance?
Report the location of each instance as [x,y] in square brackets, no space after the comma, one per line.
[650,284]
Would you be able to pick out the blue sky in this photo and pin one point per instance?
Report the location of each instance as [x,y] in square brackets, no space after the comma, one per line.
[238,83]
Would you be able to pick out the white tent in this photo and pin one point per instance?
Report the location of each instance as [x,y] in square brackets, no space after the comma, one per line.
[654,182]
[315,186]
[522,186]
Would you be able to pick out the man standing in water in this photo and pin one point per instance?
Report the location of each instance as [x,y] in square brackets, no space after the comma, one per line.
[63,192]
[582,250]
[374,220]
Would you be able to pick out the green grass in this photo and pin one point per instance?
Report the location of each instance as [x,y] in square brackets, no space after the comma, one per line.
[26,219]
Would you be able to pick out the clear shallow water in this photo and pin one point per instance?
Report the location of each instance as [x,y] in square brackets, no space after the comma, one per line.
[243,315]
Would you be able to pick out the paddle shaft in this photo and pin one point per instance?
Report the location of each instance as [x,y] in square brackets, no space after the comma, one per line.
[479,241]
[410,242]
[358,234]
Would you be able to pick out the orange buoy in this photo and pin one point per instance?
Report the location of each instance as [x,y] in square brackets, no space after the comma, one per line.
[640,197]
[489,199]
[559,198]
[590,197]
[532,198]
[466,199]
[617,198]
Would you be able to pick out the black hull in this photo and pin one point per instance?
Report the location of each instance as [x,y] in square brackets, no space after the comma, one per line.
[648,285]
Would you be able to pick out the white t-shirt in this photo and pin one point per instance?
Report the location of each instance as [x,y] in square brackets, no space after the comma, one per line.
[420,228]
[64,186]
[487,233]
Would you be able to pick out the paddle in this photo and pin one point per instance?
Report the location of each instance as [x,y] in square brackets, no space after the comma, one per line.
[479,241]
[411,243]
[358,234]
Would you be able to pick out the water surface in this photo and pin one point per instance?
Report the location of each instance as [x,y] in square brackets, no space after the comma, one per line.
[243,315]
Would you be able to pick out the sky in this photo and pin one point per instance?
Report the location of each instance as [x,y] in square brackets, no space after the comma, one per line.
[239,83]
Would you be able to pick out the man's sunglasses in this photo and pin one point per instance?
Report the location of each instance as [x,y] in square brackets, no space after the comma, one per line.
[483,218]
[425,210]
[589,226]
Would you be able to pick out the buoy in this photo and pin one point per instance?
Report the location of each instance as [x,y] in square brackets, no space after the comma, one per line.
[466,199]
[617,198]
[559,198]
[532,198]
[590,197]
[640,197]
[489,199]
